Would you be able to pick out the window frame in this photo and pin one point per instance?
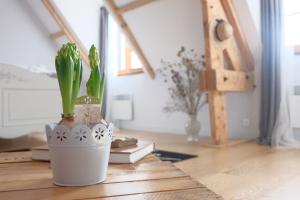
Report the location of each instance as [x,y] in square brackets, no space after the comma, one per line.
[128,70]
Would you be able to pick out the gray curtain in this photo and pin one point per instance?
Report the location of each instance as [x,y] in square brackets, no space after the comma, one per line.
[271,28]
[103,50]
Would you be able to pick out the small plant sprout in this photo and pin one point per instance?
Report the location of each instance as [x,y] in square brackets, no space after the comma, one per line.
[68,66]
[95,84]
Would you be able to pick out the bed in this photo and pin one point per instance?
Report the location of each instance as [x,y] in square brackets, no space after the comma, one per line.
[28,101]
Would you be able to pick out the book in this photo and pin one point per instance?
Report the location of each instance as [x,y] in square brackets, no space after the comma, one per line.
[129,154]
[40,153]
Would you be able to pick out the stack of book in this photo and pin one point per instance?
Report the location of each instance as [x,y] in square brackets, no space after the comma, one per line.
[129,154]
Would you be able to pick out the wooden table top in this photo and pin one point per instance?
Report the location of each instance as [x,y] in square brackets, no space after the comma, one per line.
[150,178]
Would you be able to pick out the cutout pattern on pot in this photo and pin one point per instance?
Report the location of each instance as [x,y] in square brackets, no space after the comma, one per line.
[79,135]
[110,131]
[101,134]
[60,134]
[99,131]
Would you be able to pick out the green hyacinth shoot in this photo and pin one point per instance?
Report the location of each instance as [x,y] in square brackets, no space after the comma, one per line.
[95,84]
[68,66]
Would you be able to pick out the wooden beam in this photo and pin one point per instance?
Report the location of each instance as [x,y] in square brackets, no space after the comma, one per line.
[227,80]
[65,29]
[133,5]
[214,61]
[110,4]
[57,35]
[235,53]
[125,72]
[238,33]
[218,117]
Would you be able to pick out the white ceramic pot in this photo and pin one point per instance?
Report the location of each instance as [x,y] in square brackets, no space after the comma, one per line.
[79,156]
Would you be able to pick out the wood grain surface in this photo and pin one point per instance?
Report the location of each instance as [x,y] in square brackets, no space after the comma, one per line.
[241,171]
[150,178]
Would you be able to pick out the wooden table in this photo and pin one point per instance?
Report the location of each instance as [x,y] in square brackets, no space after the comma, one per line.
[21,178]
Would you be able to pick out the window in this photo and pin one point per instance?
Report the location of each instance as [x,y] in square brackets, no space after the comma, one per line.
[122,59]
[291,21]
[130,63]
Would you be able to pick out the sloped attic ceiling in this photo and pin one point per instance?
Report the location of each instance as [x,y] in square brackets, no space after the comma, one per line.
[162,27]
[84,27]
[46,20]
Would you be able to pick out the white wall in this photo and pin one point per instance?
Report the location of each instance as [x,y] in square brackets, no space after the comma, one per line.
[179,24]
[83,17]
[254,7]
[27,25]
[23,41]
[161,28]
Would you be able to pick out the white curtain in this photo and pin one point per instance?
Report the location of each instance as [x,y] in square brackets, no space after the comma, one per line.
[279,73]
[283,135]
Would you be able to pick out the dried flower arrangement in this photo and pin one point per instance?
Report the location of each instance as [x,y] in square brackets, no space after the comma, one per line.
[183,79]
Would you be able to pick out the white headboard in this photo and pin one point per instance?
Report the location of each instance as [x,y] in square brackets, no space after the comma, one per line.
[28,101]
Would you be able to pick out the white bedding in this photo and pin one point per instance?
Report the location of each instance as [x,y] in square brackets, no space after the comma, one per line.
[41,69]
[28,101]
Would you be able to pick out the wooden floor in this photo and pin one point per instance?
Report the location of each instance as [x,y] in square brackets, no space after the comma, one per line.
[244,171]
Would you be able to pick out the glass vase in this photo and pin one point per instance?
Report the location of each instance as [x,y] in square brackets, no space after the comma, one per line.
[192,128]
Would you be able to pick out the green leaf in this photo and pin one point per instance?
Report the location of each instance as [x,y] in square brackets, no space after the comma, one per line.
[96,82]
[102,84]
[94,57]
[68,66]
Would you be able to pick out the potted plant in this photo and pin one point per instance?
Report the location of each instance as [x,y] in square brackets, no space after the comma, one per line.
[79,151]
[183,81]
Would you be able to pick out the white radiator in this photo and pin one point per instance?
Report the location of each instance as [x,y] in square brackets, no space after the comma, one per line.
[122,107]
